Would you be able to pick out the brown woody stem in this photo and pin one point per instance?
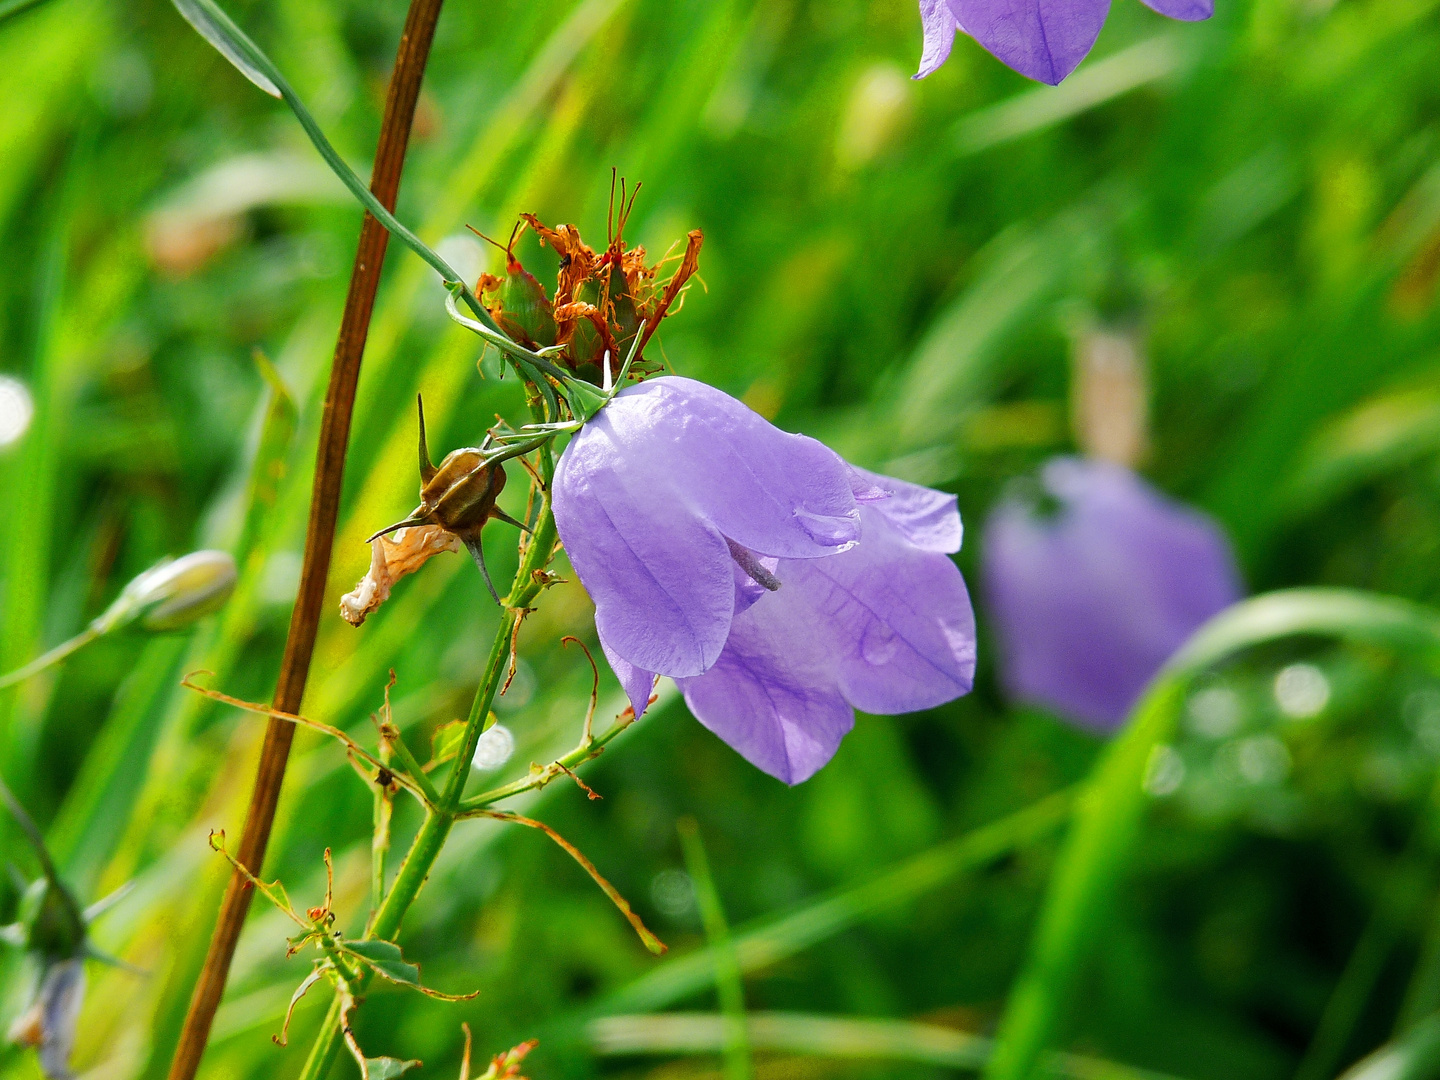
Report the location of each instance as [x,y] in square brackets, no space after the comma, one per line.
[399,115]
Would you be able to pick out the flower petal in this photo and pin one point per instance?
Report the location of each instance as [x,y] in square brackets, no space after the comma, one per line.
[637,684]
[1185,10]
[1042,39]
[939,26]
[927,518]
[772,696]
[895,619]
[660,577]
[778,494]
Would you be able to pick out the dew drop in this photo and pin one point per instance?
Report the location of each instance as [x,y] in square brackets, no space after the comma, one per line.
[878,644]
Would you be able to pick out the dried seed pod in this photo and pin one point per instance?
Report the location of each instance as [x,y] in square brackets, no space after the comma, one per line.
[458,498]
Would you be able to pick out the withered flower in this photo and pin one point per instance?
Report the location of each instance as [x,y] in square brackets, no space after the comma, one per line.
[601,302]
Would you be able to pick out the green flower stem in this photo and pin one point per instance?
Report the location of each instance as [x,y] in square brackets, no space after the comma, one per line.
[51,658]
[435,830]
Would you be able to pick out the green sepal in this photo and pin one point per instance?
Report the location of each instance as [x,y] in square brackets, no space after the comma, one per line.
[585,398]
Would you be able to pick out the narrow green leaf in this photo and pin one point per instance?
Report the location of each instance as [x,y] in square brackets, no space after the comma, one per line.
[385,958]
[1414,1056]
[731,988]
[11,8]
[1110,811]
[229,40]
[835,1037]
[277,432]
[776,938]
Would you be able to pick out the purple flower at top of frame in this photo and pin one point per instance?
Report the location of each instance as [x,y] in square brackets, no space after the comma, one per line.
[1042,39]
[1094,584]
[779,586]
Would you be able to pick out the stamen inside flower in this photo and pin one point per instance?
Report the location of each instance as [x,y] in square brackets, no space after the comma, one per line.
[752,567]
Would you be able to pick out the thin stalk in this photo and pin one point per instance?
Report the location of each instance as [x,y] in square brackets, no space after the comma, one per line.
[435,829]
[51,658]
[729,986]
[398,118]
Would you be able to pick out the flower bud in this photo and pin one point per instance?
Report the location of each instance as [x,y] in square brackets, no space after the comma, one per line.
[173,593]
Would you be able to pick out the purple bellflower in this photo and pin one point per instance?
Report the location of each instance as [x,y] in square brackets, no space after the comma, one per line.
[780,587]
[1042,39]
[1093,591]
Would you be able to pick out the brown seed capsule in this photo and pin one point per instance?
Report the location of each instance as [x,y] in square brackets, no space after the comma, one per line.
[458,498]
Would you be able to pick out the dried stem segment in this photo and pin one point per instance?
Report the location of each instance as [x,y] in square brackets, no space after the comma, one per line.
[320,534]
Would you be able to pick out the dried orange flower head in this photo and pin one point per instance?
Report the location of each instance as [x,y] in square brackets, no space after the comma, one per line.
[601,302]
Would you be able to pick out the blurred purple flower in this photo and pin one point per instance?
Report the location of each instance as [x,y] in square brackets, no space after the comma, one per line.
[1042,39]
[781,588]
[49,1024]
[1092,594]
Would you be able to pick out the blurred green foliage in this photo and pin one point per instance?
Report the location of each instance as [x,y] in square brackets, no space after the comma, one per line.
[898,268]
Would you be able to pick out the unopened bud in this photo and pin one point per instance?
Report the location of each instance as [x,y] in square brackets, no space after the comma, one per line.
[173,593]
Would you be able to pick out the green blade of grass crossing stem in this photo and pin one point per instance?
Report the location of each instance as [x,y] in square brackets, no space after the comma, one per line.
[836,1037]
[1110,809]
[735,1046]
[1414,1056]
[97,808]
[773,939]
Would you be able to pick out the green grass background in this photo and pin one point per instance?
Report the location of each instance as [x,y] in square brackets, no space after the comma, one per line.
[894,267]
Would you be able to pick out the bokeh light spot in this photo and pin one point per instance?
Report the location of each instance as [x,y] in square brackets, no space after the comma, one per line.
[16,410]
[1302,691]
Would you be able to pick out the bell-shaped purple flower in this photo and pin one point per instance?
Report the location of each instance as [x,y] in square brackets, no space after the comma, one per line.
[1042,39]
[781,588]
[1093,585]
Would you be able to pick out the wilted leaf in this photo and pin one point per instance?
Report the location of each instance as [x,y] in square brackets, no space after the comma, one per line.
[284,1037]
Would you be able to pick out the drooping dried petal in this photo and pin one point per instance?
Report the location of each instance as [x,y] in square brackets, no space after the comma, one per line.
[391,558]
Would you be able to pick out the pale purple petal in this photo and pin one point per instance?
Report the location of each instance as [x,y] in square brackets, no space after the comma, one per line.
[929,519]
[637,684]
[939,25]
[62,993]
[660,578]
[778,494]
[1042,39]
[1091,601]
[772,695]
[897,619]
[1185,10]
